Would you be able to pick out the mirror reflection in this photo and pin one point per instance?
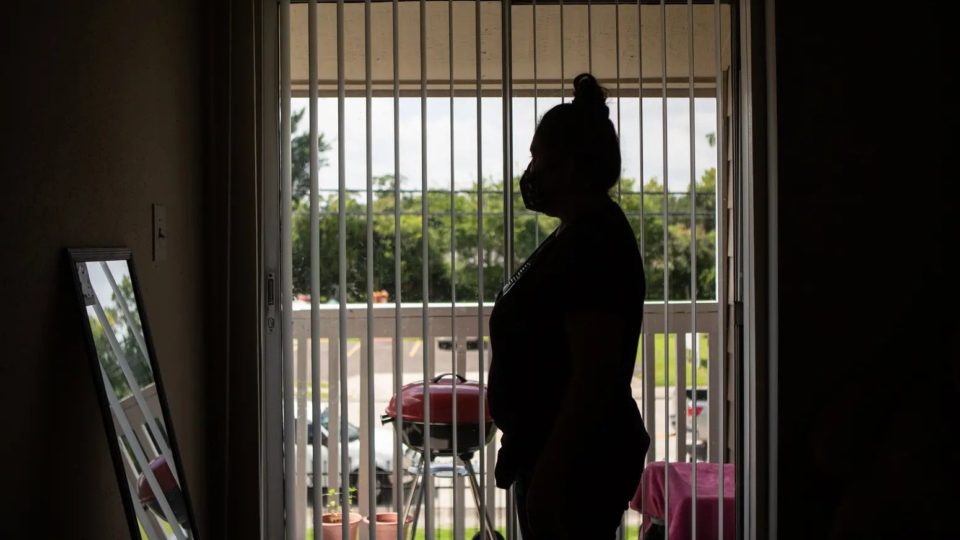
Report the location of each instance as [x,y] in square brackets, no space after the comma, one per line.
[152,472]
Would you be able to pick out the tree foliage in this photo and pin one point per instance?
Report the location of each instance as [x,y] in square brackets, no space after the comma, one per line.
[124,334]
[451,246]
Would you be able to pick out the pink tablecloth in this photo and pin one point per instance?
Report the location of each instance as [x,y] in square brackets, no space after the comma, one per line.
[649,500]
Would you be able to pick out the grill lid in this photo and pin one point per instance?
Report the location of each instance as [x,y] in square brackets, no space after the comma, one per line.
[441,391]
[161,471]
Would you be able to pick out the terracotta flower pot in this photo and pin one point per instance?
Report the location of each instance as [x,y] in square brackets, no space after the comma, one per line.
[333,527]
[387,523]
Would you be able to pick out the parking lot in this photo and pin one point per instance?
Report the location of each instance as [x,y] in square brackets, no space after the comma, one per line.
[412,370]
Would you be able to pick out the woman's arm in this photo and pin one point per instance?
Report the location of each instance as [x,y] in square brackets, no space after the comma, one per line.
[594,339]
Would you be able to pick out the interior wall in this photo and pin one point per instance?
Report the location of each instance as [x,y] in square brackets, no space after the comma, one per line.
[868,331]
[102,115]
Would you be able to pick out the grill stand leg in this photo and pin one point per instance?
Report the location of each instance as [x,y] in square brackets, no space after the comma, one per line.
[416,493]
[416,513]
[475,488]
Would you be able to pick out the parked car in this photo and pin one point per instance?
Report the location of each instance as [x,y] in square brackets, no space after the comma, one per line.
[699,410]
[383,455]
[472,344]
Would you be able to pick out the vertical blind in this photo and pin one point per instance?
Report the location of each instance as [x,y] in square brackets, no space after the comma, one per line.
[401,217]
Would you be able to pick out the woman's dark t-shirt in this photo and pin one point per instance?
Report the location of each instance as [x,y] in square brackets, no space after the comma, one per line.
[592,265]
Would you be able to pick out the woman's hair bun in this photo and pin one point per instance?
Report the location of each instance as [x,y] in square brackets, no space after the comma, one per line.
[588,93]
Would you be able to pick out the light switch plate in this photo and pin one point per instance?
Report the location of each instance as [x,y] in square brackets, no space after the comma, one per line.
[159,233]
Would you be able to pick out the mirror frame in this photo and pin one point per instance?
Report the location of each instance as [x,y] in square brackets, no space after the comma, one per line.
[83,255]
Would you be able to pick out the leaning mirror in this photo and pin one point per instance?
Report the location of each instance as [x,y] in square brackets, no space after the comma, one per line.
[137,421]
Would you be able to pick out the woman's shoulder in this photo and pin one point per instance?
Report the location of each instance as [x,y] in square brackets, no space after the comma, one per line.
[602,250]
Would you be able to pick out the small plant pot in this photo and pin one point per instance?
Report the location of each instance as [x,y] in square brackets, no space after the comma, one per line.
[333,527]
[387,523]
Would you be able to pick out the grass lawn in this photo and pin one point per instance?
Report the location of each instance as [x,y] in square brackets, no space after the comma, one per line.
[167,529]
[659,357]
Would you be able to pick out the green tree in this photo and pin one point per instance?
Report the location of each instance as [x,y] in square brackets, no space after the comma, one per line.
[678,238]
[125,335]
[456,242]
[300,159]
[461,237]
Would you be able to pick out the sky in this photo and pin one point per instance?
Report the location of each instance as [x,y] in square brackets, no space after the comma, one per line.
[465,138]
[104,291]
[100,284]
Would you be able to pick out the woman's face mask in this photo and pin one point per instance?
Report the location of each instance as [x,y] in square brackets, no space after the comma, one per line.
[542,187]
[547,179]
[533,191]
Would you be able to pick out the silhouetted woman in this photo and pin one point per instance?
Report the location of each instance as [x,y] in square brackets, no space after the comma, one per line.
[564,333]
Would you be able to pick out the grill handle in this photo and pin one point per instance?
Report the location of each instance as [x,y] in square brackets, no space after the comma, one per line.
[386,419]
[460,378]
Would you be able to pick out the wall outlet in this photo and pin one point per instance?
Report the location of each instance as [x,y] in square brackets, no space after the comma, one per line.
[159,233]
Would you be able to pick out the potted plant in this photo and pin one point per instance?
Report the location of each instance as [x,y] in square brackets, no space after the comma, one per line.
[387,523]
[333,517]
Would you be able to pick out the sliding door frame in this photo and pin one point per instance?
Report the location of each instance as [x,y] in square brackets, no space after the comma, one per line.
[755,191]
[271,365]
[756,265]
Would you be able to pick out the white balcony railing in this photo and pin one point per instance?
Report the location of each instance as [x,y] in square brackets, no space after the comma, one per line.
[448,354]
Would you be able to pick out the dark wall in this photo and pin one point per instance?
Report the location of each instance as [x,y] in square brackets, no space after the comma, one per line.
[868,212]
[102,114]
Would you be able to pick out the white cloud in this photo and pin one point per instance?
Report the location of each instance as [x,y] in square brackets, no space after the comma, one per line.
[465,139]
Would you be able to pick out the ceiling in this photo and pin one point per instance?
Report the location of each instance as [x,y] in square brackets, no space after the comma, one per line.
[579,45]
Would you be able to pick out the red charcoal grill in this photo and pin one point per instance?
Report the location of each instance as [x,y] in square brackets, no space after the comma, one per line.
[168,485]
[468,426]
